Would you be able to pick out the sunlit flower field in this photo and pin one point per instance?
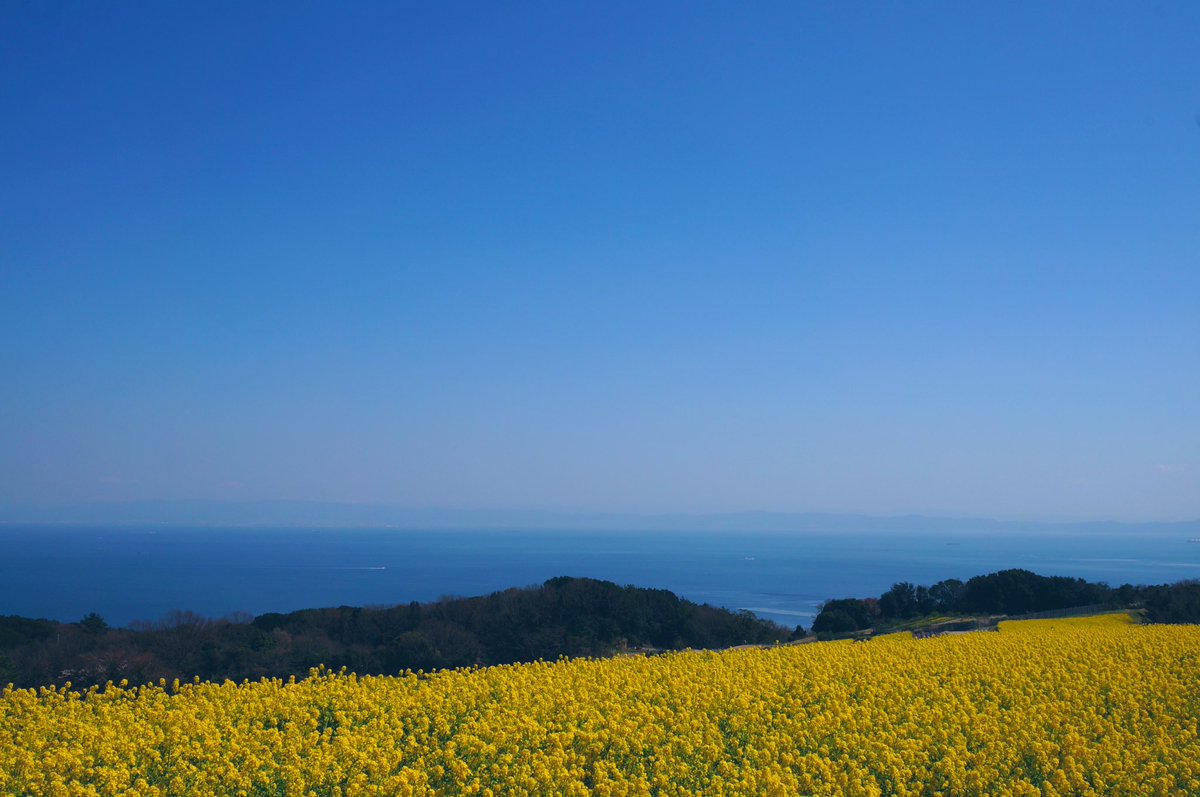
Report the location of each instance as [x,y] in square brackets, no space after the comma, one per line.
[1093,706]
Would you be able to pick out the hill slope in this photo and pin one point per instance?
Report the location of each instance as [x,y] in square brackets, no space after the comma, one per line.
[563,617]
[1088,707]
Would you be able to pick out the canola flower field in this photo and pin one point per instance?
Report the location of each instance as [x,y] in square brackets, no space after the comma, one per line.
[1094,706]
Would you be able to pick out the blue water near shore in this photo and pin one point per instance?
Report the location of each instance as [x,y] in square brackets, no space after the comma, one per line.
[127,574]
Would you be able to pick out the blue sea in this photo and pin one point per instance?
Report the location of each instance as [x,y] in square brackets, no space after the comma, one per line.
[141,573]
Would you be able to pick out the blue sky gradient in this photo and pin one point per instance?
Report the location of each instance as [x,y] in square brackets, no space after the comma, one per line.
[641,257]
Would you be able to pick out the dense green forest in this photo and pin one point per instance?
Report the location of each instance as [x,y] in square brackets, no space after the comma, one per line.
[1007,592]
[564,616]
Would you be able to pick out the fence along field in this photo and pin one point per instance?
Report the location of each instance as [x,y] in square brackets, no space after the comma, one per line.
[1090,706]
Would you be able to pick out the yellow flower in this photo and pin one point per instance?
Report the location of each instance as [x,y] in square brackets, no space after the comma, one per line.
[1094,706]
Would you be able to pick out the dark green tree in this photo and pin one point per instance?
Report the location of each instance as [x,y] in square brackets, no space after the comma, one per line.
[93,624]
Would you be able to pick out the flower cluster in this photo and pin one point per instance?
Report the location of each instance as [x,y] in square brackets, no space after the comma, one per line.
[1079,707]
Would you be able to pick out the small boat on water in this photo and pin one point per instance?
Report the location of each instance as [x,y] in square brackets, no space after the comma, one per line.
[1194,539]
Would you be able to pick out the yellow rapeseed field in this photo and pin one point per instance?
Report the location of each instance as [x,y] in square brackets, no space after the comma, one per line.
[1065,707]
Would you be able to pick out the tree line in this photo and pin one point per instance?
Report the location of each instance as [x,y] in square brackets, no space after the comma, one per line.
[562,617]
[1007,592]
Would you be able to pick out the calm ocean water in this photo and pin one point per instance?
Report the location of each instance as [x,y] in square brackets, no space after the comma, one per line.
[63,573]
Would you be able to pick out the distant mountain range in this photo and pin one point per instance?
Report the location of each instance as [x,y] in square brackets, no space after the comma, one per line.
[336,515]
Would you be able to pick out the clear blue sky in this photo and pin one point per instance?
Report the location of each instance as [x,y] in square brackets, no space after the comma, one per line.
[870,257]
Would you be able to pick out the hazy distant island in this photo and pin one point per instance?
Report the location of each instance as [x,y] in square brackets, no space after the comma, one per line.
[334,515]
[563,617]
